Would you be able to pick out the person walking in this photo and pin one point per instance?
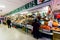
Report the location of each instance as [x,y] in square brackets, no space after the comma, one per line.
[9,23]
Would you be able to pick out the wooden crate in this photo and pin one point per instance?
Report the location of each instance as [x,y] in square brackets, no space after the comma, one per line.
[56,36]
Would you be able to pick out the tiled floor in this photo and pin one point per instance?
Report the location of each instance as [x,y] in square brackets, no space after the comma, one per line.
[14,34]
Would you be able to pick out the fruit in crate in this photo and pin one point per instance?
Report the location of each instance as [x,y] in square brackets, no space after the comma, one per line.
[58,29]
[55,24]
[42,26]
[55,29]
[45,27]
[18,21]
[22,21]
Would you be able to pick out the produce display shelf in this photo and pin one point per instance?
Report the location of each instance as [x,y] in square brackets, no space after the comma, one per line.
[49,33]
[44,34]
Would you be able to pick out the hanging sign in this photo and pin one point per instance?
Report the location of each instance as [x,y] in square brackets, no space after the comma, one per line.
[27,6]
[41,1]
[55,5]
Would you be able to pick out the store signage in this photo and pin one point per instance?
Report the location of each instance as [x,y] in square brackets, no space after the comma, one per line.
[26,6]
[41,1]
[55,5]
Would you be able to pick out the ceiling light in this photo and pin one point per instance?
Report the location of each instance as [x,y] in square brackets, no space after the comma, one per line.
[2,6]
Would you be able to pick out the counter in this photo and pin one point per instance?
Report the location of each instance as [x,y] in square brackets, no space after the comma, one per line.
[56,35]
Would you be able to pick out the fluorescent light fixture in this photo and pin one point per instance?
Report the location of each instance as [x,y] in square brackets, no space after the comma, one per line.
[13,15]
[2,6]
[25,12]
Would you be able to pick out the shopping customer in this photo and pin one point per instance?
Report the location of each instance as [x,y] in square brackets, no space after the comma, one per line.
[50,22]
[9,23]
[36,26]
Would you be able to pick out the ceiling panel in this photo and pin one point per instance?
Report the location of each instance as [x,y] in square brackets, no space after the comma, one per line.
[12,4]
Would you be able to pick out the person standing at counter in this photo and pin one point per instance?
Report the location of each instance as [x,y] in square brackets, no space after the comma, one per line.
[50,22]
[36,26]
[9,23]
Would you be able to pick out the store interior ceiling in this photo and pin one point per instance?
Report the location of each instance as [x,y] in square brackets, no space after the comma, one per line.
[9,5]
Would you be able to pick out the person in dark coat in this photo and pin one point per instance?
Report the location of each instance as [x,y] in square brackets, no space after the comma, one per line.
[9,23]
[36,26]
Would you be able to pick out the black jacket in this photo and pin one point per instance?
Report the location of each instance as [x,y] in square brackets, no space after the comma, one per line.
[8,22]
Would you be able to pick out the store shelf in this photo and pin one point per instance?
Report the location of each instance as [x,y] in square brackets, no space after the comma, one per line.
[17,25]
[56,32]
[46,32]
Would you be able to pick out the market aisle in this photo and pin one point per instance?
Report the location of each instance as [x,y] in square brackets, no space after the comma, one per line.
[13,34]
